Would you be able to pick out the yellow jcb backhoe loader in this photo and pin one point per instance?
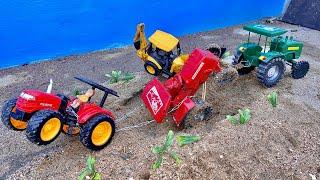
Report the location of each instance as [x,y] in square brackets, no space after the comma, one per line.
[162,55]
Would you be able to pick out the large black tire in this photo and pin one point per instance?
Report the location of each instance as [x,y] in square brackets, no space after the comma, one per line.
[37,123]
[265,75]
[245,70]
[299,69]
[151,68]
[6,118]
[87,130]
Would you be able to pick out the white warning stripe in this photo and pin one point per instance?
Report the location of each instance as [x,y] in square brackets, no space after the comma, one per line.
[198,70]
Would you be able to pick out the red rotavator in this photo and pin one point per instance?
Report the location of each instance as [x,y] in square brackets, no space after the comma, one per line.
[176,92]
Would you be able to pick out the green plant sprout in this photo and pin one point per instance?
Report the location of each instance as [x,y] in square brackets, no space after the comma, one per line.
[243,117]
[76,92]
[128,76]
[226,54]
[187,139]
[273,99]
[114,76]
[117,76]
[90,172]
[160,151]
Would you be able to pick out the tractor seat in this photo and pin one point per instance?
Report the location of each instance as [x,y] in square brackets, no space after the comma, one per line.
[86,97]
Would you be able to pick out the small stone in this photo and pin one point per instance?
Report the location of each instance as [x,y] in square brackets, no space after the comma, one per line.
[221,156]
[313,177]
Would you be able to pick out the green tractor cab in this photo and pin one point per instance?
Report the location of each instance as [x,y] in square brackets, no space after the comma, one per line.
[271,56]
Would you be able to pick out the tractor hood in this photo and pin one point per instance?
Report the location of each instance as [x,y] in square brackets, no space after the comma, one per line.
[31,101]
[248,47]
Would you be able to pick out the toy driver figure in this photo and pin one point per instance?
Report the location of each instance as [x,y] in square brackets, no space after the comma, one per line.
[82,99]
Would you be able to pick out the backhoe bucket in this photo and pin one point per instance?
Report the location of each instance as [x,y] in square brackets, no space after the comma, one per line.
[157,99]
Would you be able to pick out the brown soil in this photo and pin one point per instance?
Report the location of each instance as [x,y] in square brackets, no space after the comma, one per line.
[277,143]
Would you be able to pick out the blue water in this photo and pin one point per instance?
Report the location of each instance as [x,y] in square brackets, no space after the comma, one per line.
[41,29]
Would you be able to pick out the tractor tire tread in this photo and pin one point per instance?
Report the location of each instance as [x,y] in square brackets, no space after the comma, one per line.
[36,122]
[5,113]
[300,69]
[262,70]
[86,131]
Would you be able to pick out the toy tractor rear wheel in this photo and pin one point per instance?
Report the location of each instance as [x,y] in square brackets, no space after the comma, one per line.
[299,69]
[151,68]
[44,127]
[8,121]
[269,73]
[97,133]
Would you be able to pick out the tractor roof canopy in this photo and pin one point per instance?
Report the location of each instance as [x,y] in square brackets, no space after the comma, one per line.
[264,30]
[163,40]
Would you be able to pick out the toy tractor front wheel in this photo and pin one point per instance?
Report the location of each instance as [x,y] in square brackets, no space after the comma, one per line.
[299,69]
[8,120]
[97,132]
[44,127]
[151,68]
[269,73]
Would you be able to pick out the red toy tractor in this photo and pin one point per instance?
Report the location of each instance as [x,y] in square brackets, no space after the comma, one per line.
[44,115]
[177,92]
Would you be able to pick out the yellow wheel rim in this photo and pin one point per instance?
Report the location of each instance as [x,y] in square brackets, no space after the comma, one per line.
[101,133]
[50,129]
[21,125]
[151,70]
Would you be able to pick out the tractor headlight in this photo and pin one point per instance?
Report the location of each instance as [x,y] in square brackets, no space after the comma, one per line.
[262,58]
[27,96]
[242,49]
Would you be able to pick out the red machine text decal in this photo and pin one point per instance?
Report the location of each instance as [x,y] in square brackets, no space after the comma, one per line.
[154,100]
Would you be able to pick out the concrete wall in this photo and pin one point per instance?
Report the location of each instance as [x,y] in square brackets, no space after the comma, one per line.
[40,29]
[303,12]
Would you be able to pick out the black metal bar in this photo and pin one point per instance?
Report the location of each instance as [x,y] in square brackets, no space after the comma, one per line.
[259,40]
[103,100]
[249,37]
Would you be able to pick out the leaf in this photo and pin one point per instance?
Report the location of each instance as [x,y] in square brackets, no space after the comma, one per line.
[90,164]
[169,140]
[157,150]
[244,116]
[176,157]
[158,163]
[83,175]
[273,99]
[226,54]
[96,176]
[187,139]
[232,119]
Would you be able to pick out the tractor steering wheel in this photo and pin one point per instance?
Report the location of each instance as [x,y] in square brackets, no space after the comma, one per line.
[96,85]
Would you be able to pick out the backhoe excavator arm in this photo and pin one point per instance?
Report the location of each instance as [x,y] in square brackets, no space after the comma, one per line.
[140,41]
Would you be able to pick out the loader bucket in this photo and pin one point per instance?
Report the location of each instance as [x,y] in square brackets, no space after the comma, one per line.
[157,99]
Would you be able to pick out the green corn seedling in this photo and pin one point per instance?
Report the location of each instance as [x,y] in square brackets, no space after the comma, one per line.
[232,119]
[243,117]
[114,76]
[76,92]
[127,77]
[187,139]
[273,99]
[226,54]
[90,172]
[160,151]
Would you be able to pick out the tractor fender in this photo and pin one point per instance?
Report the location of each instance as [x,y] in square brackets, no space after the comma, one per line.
[87,111]
[154,62]
[269,57]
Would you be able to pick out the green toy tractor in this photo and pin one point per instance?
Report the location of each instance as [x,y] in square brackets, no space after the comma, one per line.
[272,57]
